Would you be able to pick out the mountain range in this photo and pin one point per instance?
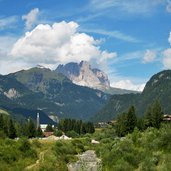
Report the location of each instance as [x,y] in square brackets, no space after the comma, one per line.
[49,92]
[157,88]
[56,94]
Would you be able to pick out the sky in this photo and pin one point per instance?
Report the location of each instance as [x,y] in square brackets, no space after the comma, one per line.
[129,40]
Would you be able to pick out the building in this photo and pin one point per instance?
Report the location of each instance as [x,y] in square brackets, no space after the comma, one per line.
[43,127]
[167,118]
[47,134]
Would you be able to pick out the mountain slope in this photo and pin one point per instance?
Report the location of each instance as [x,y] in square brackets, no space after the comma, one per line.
[158,87]
[12,94]
[54,93]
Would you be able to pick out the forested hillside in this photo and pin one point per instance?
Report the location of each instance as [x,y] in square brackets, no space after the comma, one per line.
[157,88]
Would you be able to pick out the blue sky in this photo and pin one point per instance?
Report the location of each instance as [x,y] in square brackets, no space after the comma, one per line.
[129,40]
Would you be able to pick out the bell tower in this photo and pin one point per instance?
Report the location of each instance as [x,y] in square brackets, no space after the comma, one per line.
[38,120]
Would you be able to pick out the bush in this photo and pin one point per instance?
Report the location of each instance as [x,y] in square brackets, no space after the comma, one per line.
[24,145]
[72,134]
[36,143]
[58,133]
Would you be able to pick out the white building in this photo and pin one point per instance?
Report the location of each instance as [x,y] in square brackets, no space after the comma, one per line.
[43,127]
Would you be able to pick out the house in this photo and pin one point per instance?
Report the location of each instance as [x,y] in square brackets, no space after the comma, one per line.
[167,118]
[102,125]
[43,127]
[47,134]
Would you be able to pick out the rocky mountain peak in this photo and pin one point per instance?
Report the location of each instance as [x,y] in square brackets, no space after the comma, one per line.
[85,65]
[83,74]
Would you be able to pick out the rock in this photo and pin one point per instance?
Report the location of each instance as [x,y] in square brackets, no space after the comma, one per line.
[87,162]
[82,74]
[12,94]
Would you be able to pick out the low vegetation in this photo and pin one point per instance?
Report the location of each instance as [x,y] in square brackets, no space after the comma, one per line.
[132,143]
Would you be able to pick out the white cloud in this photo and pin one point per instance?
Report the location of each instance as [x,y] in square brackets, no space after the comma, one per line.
[59,43]
[31,18]
[129,85]
[132,7]
[115,34]
[7,66]
[105,55]
[8,22]
[168,7]
[149,56]
[169,38]
[167,56]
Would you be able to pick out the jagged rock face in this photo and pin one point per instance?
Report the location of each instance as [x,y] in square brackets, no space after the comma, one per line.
[82,74]
[12,93]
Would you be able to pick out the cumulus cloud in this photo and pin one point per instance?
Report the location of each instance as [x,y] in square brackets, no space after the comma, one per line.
[129,85]
[149,56]
[31,18]
[167,56]
[168,7]
[58,43]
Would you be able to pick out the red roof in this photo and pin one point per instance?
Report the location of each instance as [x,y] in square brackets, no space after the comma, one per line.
[47,134]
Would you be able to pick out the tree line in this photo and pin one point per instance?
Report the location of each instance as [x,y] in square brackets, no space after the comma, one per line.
[127,121]
[78,126]
[13,129]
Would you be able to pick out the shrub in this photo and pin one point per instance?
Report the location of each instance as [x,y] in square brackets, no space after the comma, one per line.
[72,134]
[58,133]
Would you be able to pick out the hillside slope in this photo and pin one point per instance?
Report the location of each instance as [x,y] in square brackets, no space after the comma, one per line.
[12,95]
[158,87]
[54,93]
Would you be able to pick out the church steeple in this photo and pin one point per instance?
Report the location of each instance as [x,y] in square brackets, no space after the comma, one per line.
[38,120]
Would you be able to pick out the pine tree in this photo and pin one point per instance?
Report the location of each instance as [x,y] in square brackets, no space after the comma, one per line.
[1,122]
[39,132]
[83,129]
[11,130]
[121,126]
[30,129]
[49,128]
[131,119]
[157,114]
[148,117]
[5,124]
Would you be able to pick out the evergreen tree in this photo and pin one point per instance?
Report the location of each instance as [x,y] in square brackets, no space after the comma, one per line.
[49,128]
[39,132]
[148,117]
[121,126]
[11,130]
[131,119]
[157,114]
[30,129]
[2,133]
[5,124]
[89,127]
[83,129]
[1,122]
